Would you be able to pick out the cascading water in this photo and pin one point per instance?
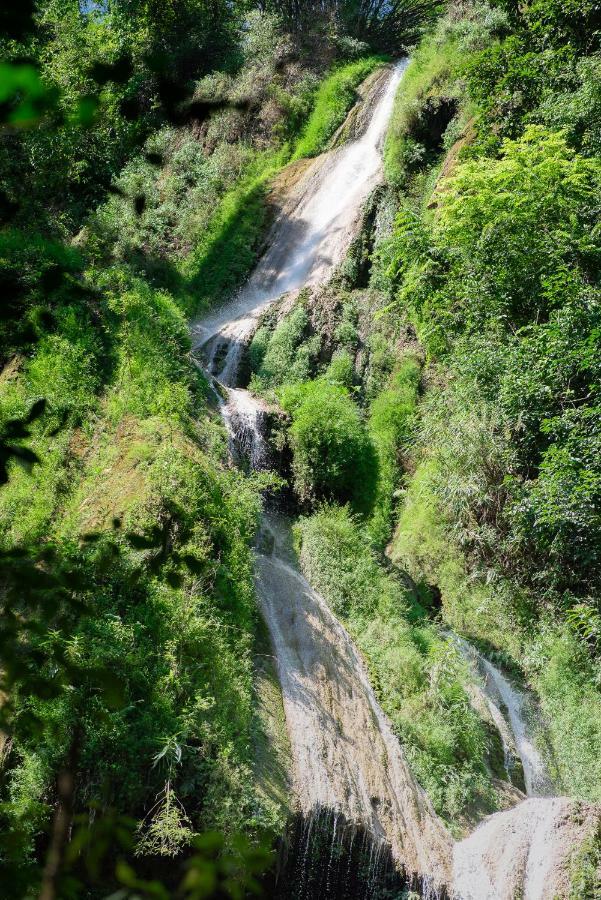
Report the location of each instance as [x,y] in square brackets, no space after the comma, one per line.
[514,717]
[524,851]
[349,769]
[309,238]
[521,853]
[345,755]
[243,416]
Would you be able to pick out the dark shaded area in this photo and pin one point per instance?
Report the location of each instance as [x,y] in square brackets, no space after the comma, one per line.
[325,856]
[390,26]
[432,121]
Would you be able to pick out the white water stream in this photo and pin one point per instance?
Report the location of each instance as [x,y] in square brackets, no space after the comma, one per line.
[345,755]
[513,715]
[308,239]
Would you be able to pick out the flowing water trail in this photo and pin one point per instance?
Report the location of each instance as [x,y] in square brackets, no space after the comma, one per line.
[348,764]
[523,852]
[308,239]
[346,757]
[514,716]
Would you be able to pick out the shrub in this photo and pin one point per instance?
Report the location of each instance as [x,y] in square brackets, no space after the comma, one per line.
[391,418]
[333,457]
[341,370]
[287,355]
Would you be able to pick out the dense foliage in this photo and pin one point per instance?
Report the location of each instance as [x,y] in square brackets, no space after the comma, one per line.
[494,259]
[447,382]
[391,26]
[145,135]
[472,361]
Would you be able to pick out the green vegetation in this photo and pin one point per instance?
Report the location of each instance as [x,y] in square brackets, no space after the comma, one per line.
[391,420]
[585,869]
[439,401]
[335,96]
[494,261]
[419,677]
[332,454]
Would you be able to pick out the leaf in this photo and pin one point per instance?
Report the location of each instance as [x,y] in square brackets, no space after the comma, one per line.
[127,876]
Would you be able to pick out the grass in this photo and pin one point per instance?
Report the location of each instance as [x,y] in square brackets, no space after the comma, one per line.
[431,70]
[391,416]
[230,244]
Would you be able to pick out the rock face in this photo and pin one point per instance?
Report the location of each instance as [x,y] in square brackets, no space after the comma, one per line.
[522,853]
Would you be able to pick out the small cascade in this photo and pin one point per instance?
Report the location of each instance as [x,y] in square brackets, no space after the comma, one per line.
[521,853]
[346,758]
[326,856]
[244,417]
[513,714]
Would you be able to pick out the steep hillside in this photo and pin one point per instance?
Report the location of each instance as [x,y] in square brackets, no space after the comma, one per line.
[440,403]
[421,406]
[130,636]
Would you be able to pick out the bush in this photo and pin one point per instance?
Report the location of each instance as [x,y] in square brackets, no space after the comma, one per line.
[576,108]
[391,418]
[285,355]
[333,457]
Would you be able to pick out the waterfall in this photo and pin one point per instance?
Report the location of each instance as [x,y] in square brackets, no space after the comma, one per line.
[346,757]
[514,716]
[308,239]
[350,774]
[243,416]
[521,853]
